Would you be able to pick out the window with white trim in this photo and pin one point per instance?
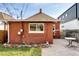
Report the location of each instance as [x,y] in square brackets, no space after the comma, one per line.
[66,15]
[63,17]
[36,27]
[59,18]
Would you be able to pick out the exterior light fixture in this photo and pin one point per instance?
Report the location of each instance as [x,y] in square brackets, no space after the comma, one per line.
[54,25]
[54,30]
[21,30]
[19,33]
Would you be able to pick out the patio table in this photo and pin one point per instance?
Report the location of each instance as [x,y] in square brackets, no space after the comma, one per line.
[70,40]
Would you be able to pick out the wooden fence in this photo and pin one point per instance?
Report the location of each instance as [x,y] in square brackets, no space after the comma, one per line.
[3,36]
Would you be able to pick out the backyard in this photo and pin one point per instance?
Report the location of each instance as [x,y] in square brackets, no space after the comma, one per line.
[23,51]
[59,48]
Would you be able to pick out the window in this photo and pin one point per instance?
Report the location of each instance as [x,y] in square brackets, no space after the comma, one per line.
[66,15]
[63,17]
[60,18]
[62,26]
[32,27]
[36,28]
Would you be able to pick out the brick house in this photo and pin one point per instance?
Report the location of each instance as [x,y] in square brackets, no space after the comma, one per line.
[36,29]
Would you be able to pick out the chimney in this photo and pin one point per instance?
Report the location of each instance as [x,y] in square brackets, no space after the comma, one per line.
[40,10]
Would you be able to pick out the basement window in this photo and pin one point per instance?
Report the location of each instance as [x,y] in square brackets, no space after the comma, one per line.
[36,28]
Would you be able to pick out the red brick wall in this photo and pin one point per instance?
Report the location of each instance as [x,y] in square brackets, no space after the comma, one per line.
[27,37]
[13,32]
[48,32]
[57,33]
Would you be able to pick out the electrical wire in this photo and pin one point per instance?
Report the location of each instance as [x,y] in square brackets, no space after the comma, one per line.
[25,9]
[7,9]
[15,10]
[22,11]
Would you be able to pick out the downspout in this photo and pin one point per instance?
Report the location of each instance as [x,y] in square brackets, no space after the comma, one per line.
[76,11]
[21,36]
[8,34]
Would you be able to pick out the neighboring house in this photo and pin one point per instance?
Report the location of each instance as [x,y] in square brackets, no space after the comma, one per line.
[70,18]
[39,28]
[4,17]
[3,26]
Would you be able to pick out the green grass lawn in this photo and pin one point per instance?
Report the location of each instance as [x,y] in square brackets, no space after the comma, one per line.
[20,51]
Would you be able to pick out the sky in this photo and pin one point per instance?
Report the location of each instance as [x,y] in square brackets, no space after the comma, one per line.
[28,9]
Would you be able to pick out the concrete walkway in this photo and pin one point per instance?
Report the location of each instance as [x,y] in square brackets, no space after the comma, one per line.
[59,48]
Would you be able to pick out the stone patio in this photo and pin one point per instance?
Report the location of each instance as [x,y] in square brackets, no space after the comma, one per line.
[59,48]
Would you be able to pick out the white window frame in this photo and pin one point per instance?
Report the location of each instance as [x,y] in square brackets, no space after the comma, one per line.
[63,17]
[36,31]
[59,18]
[66,15]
